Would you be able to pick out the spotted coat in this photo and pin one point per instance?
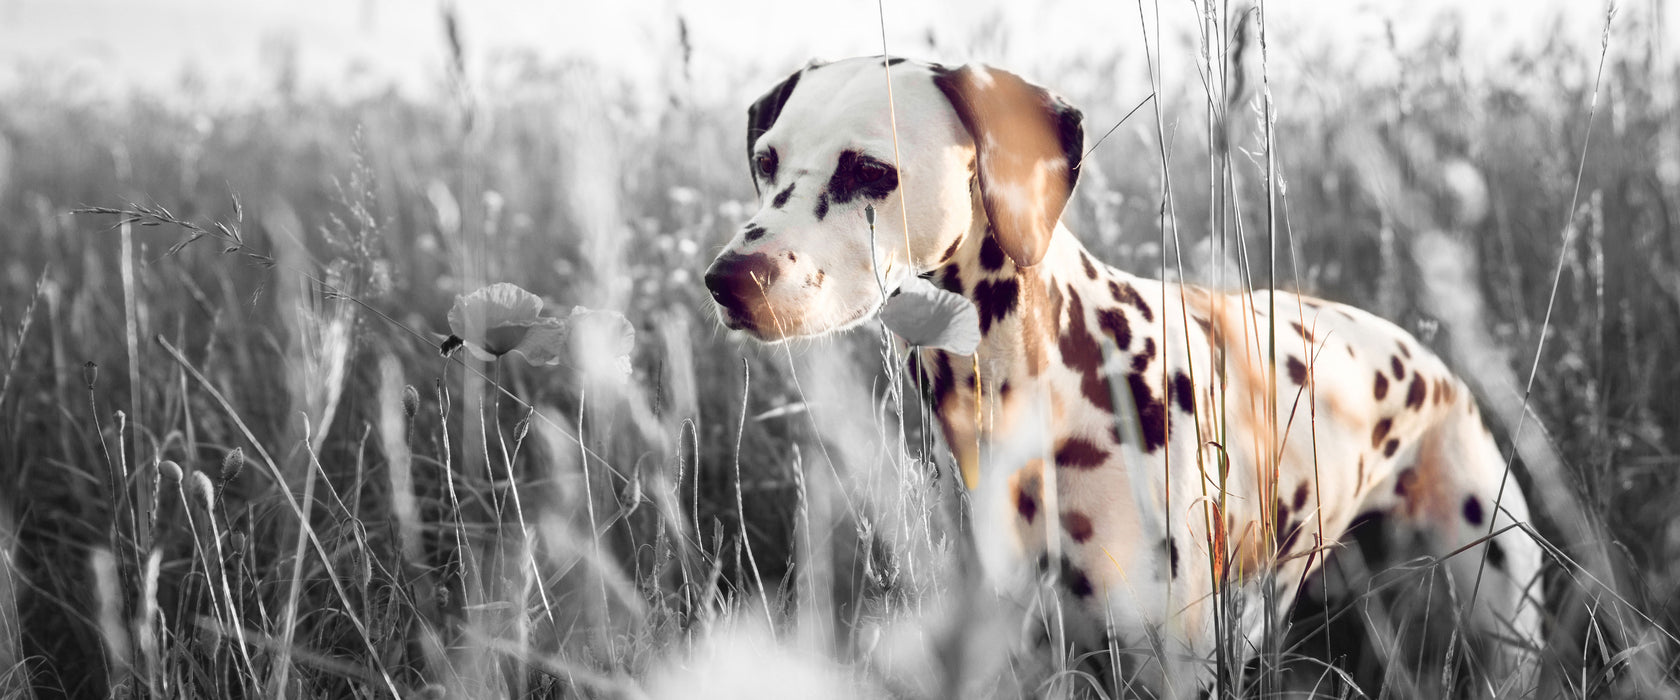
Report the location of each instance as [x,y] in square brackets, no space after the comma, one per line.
[1146,444]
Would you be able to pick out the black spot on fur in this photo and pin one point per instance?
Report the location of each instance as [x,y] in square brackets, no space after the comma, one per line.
[1380,433]
[1078,526]
[754,232]
[1184,392]
[1301,494]
[991,254]
[782,197]
[995,299]
[1074,579]
[1381,388]
[857,175]
[1417,393]
[895,60]
[1297,371]
[1081,352]
[1141,359]
[1390,447]
[1079,453]
[1113,322]
[1152,414]
[1495,555]
[762,115]
[821,210]
[1172,555]
[951,280]
[1026,505]
[1473,510]
[1126,294]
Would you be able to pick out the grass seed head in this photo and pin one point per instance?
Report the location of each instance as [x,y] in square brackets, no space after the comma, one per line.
[170,470]
[232,463]
[410,401]
[90,374]
[206,490]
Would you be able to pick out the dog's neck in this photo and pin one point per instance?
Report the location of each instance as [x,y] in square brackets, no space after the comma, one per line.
[1020,311]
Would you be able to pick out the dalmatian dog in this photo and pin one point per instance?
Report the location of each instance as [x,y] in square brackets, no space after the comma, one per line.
[1176,459]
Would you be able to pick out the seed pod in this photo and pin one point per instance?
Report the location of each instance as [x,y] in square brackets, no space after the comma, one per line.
[201,484]
[521,429]
[869,214]
[90,374]
[170,470]
[410,401]
[232,463]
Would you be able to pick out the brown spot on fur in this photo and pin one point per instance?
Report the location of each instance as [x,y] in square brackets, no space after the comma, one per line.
[1079,453]
[1381,431]
[1127,294]
[1113,322]
[1052,323]
[1305,334]
[1297,371]
[1381,388]
[1078,526]
[1403,349]
[1141,360]
[951,251]
[1390,446]
[1417,393]
[1027,505]
[1301,493]
[1085,260]
[1405,482]
[1081,352]
[1398,367]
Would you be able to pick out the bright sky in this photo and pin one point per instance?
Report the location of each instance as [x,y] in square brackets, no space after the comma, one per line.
[353,45]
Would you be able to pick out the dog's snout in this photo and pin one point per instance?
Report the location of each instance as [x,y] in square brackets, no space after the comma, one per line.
[736,280]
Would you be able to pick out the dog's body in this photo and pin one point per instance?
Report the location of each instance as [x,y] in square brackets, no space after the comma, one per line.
[1185,462]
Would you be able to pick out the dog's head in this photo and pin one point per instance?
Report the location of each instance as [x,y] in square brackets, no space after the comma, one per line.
[976,149]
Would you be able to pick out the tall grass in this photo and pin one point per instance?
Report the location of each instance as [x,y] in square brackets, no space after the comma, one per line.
[400,523]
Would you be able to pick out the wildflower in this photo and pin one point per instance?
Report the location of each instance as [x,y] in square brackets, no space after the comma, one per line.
[503,318]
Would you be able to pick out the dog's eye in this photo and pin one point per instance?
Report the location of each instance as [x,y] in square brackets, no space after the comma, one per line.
[766,164]
[868,172]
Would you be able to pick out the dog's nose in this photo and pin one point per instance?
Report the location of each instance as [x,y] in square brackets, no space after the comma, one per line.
[734,280]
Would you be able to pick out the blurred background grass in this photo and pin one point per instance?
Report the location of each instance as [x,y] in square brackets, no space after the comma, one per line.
[562,176]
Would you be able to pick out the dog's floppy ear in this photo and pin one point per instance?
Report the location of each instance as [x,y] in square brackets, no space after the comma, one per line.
[1027,142]
[763,113]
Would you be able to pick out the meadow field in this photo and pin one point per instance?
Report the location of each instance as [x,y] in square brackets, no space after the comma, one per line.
[234,462]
